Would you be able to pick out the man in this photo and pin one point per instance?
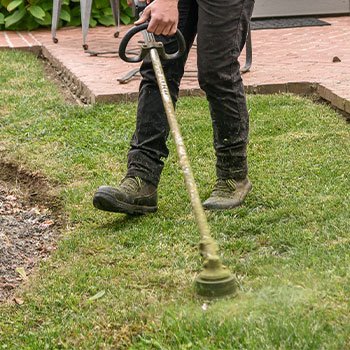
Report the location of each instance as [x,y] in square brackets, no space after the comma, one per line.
[221,27]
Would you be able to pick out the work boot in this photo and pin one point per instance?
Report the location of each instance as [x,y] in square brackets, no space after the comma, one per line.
[133,196]
[228,194]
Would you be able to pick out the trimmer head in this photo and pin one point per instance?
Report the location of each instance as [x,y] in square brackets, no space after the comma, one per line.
[215,280]
[216,288]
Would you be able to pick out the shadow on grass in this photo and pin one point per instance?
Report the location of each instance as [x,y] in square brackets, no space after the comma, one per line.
[122,222]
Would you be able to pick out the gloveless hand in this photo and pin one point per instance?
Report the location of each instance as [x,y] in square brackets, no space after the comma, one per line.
[164,17]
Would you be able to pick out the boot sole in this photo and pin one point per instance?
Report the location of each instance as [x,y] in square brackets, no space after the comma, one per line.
[106,202]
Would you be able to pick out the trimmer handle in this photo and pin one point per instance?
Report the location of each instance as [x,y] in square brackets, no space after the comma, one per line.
[150,45]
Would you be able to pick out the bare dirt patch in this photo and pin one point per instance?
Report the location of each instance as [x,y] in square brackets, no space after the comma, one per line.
[30,221]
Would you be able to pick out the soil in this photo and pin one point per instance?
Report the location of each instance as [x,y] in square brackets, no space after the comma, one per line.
[30,216]
[30,222]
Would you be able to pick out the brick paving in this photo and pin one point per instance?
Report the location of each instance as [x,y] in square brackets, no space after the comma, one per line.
[300,60]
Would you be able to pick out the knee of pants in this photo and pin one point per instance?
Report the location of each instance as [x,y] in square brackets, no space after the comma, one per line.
[219,78]
[172,72]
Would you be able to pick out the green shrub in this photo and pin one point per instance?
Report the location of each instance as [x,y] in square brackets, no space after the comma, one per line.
[32,14]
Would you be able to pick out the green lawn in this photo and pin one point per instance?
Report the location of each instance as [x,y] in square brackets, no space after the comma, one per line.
[288,245]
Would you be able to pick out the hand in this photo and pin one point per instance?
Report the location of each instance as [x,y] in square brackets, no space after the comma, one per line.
[164,17]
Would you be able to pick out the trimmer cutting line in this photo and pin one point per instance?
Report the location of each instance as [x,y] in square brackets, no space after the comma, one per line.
[215,280]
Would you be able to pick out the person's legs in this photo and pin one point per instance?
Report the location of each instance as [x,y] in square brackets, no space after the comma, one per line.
[222,31]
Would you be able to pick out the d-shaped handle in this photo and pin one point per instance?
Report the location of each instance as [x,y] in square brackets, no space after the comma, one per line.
[145,48]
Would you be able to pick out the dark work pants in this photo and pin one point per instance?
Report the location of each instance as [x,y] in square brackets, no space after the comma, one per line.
[222,27]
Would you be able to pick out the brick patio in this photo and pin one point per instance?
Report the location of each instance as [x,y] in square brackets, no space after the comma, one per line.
[299,60]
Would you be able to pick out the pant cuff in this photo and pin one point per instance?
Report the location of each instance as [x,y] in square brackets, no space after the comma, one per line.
[146,176]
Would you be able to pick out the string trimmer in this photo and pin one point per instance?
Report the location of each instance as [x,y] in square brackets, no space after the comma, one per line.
[215,280]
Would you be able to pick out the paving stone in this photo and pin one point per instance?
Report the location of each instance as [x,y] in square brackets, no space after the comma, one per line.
[297,60]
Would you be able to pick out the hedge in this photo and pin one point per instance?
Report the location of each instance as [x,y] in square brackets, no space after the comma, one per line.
[32,14]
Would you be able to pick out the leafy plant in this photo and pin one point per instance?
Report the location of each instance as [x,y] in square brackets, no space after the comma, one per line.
[32,14]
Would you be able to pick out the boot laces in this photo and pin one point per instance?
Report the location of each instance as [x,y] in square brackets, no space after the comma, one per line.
[131,184]
[224,187]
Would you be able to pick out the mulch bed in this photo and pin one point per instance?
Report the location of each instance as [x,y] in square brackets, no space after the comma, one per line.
[28,232]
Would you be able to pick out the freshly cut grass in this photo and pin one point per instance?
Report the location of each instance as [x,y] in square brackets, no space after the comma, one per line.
[127,282]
